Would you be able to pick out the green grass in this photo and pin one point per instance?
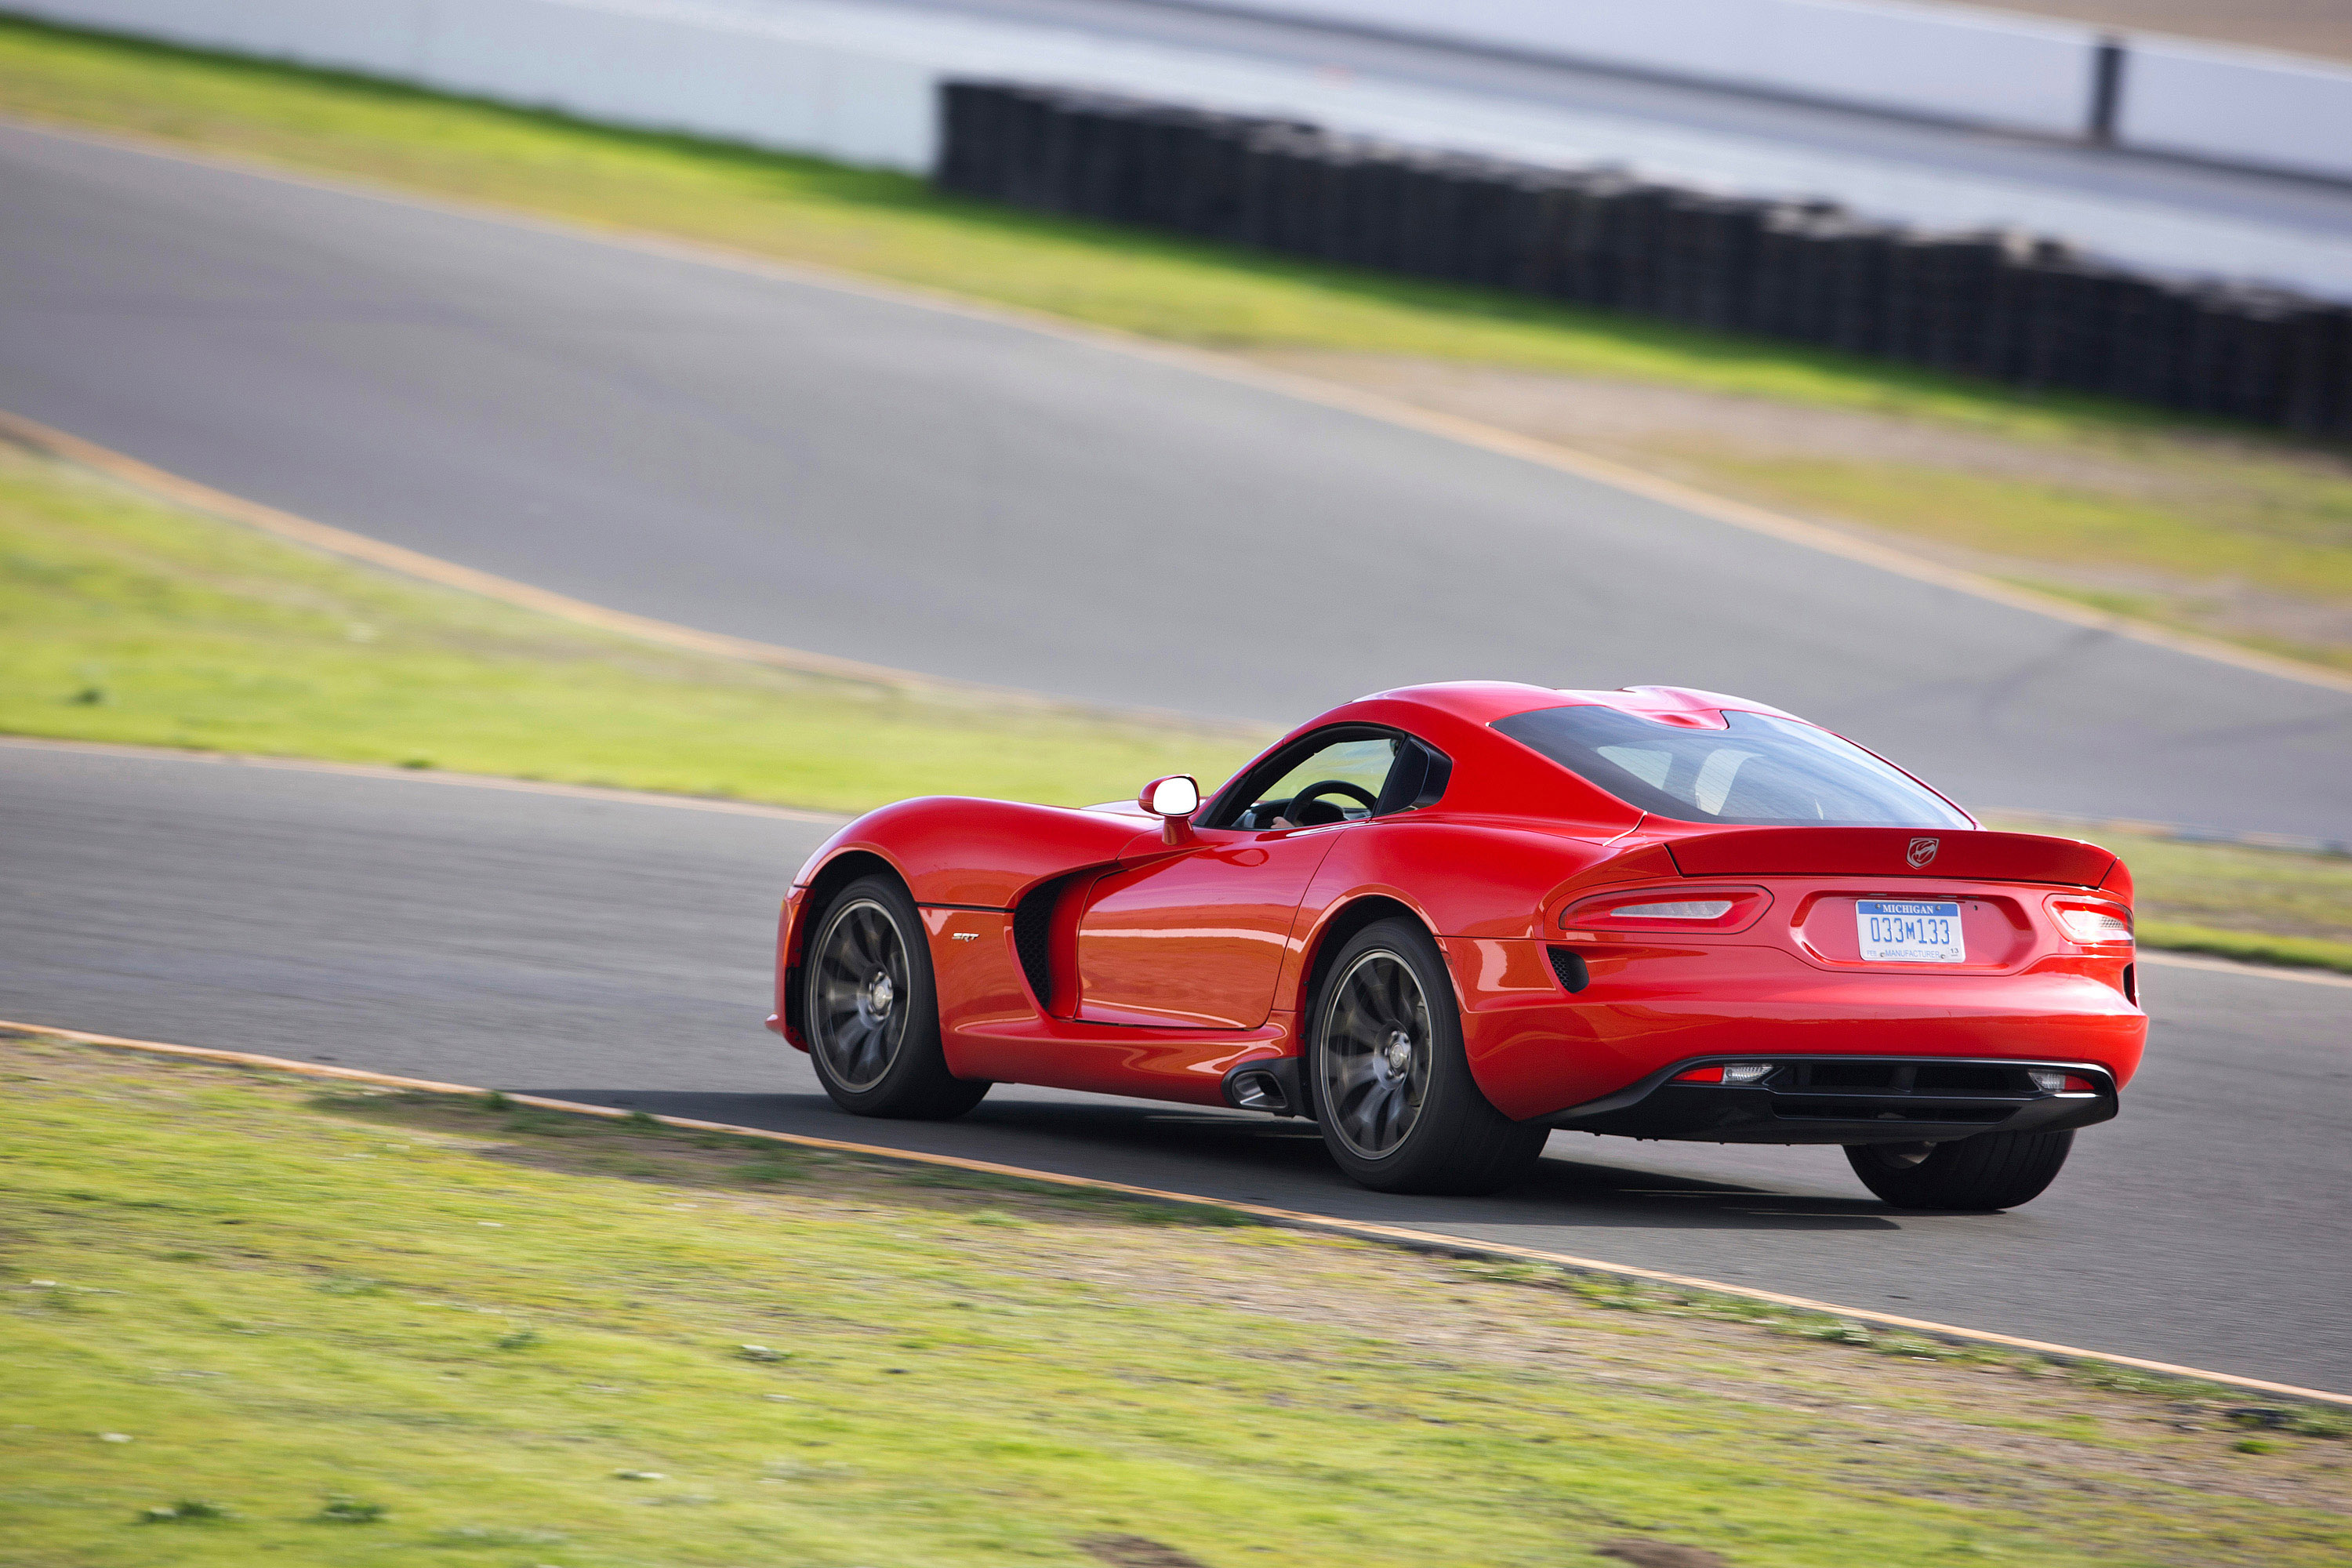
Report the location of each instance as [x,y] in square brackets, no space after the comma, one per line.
[2259,510]
[2247,947]
[2219,544]
[2283,541]
[246,1323]
[123,620]
[2244,901]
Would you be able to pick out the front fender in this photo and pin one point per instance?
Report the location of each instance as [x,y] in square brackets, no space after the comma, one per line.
[980,854]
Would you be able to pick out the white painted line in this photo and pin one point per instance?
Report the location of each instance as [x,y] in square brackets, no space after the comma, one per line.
[1231,368]
[1417,1240]
[428,775]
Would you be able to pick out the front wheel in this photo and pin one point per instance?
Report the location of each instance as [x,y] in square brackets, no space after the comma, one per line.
[870,1013]
[1392,1090]
[1989,1171]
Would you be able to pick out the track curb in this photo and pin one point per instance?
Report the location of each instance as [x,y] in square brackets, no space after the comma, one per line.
[160,484]
[1361,1230]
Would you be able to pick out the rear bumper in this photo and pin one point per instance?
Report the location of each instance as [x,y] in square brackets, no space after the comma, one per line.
[1847,1100]
[1539,1049]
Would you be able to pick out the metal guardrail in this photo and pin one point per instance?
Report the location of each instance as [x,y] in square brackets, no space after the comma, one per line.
[2000,305]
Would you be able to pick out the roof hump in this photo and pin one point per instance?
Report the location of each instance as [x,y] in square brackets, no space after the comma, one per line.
[1484,701]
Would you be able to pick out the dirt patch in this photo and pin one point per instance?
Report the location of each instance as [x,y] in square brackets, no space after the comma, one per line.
[1644,1554]
[2303,26]
[1136,1551]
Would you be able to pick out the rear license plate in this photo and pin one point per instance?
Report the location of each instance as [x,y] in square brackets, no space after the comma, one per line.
[1909,931]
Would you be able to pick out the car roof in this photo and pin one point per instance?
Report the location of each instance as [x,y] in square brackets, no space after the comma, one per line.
[1496,775]
[1484,701]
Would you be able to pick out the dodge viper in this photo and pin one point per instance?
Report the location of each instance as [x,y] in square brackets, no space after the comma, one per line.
[1443,921]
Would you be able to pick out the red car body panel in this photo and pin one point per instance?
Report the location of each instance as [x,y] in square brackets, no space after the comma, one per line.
[1153,969]
[1195,937]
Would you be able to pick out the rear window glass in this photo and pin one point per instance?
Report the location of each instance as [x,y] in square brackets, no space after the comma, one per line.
[1760,771]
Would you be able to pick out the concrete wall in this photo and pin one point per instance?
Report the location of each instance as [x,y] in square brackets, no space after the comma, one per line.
[2232,106]
[1990,69]
[863,90]
[655,63]
[2238,106]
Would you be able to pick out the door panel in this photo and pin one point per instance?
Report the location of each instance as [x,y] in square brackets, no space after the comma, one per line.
[1196,940]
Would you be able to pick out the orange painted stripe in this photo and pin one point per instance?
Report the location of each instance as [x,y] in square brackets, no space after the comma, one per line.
[1397,1236]
[185,492]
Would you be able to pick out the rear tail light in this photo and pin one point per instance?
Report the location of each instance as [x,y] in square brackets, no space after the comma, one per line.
[1669,910]
[2050,1080]
[2092,923]
[1698,909]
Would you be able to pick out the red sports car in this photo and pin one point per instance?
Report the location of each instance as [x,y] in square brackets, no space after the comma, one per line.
[1444,921]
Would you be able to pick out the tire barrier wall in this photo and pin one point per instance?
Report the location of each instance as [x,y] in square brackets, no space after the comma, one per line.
[1998,305]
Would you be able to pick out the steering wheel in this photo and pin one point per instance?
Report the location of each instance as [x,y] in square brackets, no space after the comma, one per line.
[1298,808]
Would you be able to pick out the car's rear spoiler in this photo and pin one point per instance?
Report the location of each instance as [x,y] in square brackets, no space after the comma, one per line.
[1970,853]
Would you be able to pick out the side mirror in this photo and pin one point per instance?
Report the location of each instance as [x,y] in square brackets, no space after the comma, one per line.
[1173,800]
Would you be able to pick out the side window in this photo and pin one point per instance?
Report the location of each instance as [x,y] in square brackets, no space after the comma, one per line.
[1338,783]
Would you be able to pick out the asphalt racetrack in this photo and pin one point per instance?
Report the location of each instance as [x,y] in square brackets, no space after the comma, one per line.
[613,951]
[916,487]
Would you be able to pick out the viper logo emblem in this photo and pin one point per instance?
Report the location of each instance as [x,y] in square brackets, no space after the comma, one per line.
[1923,850]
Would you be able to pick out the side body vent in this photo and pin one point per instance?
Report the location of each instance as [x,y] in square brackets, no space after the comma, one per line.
[1569,965]
[1033,931]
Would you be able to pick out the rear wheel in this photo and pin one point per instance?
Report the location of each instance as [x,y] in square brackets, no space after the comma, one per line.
[1989,1171]
[869,1011]
[1392,1086]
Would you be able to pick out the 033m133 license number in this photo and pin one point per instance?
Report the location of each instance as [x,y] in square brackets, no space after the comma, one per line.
[1909,931]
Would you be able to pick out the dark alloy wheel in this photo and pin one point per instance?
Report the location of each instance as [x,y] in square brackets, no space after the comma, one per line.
[1392,1086]
[869,1012]
[1989,1171]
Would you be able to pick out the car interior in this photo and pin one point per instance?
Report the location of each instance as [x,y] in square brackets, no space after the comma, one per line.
[1344,777]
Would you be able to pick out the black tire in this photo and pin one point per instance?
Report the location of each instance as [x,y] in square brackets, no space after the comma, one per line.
[1389,1083]
[1989,1171]
[869,1012]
